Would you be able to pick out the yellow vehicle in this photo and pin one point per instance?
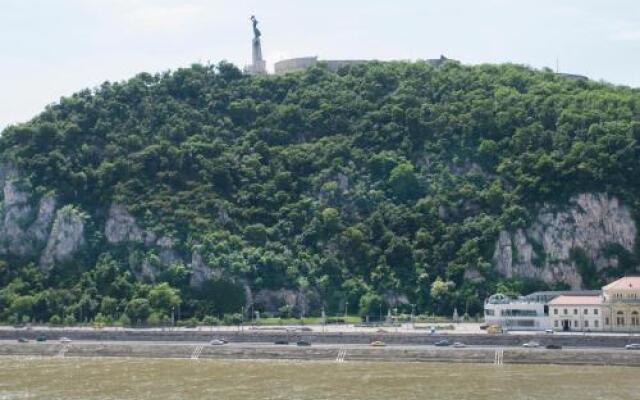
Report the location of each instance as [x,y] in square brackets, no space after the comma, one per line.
[494,329]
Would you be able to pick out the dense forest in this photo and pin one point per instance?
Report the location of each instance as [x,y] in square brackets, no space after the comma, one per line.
[379,186]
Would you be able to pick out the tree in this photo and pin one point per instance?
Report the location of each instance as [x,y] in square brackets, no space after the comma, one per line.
[403,181]
[138,310]
[163,298]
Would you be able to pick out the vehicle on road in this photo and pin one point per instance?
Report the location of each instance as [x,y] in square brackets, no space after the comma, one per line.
[65,339]
[281,342]
[442,343]
[22,340]
[41,339]
[553,347]
[531,344]
[378,343]
[633,346]
[217,342]
[303,343]
[549,331]
[459,345]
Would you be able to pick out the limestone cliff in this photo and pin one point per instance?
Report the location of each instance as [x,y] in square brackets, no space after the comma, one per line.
[65,239]
[590,223]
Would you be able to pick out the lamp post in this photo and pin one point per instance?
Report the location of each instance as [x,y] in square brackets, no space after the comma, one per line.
[413,315]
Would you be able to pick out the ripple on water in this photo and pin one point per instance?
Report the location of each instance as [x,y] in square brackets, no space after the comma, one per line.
[122,378]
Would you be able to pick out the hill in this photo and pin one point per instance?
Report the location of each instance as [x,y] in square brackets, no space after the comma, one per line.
[380,186]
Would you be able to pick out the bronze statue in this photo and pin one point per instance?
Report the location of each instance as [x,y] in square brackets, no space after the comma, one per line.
[256,31]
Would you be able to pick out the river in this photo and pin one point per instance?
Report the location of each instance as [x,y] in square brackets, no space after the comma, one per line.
[155,379]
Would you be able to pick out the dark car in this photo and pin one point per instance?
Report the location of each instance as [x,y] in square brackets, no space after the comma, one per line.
[303,343]
[281,342]
[553,347]
[442,343]
[41,339]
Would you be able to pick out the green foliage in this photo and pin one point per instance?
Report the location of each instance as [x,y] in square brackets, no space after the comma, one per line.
[384,179]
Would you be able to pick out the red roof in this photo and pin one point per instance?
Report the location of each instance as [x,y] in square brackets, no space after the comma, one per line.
[629,282]
[576,301]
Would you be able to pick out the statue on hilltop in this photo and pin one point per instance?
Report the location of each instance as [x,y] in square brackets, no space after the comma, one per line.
[258,65]
[256,31]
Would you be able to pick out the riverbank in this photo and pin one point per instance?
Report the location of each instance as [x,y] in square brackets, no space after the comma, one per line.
[599,340]
[325,353]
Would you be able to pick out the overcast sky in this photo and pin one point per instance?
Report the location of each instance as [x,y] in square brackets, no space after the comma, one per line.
[52,48]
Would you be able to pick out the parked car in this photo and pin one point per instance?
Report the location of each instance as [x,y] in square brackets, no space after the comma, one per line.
[281,341]
[531,344]
[303,343]
[378,343]
[65,339]
[459,345]
[633,346]
[553,347]
[549,331]
[41,339]
[442,343]
[217,342]
[23,340]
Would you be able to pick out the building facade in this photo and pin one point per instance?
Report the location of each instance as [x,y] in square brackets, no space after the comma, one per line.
[616,308]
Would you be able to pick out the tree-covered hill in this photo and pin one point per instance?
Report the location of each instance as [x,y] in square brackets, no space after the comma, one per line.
[386,184]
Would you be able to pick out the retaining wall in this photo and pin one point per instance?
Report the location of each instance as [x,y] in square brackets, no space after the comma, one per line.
[508,340]
[387,354]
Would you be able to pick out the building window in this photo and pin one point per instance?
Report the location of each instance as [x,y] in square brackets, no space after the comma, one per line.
[575,324]
[586,324]
[488,312]
[555,311]
[565,311]
[595,311]
[606,320]
[586,311]
[635,319]
[575,311]
[555,323]
[620,318]
[595,323]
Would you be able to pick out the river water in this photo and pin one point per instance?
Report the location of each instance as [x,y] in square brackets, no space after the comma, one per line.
[151,379]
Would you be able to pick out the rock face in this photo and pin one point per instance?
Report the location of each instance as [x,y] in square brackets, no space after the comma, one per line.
[23,229]
[543,251]
[65,239]
[122,227]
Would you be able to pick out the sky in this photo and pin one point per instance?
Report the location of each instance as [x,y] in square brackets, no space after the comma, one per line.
[53,48]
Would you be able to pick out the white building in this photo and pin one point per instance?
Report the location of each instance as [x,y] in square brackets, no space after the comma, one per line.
[516,314]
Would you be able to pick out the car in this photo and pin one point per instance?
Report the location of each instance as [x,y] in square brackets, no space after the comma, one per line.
[217,342]
[484,327]
[41,339]
[531,344]
[22,340]
[378,343]
[459,345]
[281,341]
[65,339]
[553,347]
[633,346]
[303,343]
[442,343]
[549,331]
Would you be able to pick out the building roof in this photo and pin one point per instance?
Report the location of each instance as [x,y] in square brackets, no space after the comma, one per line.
[576,300]
[628,282]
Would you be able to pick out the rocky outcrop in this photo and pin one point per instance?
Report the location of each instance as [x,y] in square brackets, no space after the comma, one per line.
[65,239]
[200,272]
[23,228]
[121,227]
[591,222]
